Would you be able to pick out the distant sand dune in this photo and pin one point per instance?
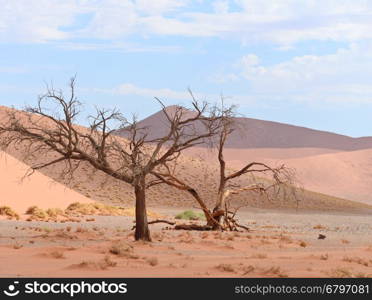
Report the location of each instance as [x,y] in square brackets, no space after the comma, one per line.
[200,173]
[342,174]
[37,190]
[254,133]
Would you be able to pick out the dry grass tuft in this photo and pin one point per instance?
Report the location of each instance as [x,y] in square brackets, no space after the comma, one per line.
[303,244]
[275,271]
[324,256]
[57,254]
[320,227]
[152,261]
[103,264]
[158,236]
[101,209]
[340,273]
[226,268]
[17,245]
[285,239]
[204,235]
[107,262]
[54,212]
[259,255]
[357,260]
[123,249]
[81,229]
[39,214]
[248,269]
[10,213]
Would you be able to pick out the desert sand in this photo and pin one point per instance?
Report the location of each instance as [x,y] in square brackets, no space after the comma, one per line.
[20,192]
[274,247]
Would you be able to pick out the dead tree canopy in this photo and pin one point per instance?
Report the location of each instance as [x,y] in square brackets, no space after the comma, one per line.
[222,216]
[49,129]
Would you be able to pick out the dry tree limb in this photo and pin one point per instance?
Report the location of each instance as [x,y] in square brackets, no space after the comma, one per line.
[242,226]
[158,221]
[193,227]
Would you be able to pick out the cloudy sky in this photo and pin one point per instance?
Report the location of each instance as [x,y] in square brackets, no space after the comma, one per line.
[304,62]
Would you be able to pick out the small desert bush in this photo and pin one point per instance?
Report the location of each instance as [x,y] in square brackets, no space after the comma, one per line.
[54,212]
[324,256]
[303,244]
[47,230]
[190,215]
[36,213]
[285,239]
[225,268]
[357,260]
[81,229]
[320,227]
[122,249]
[97,265]
[101,209]
[108,262]
[248,269]
[275,271]
[7,211]
[152,261]
[17,245]
[340,273]
[259,255]
[204,235]
[57,254]
[158,236]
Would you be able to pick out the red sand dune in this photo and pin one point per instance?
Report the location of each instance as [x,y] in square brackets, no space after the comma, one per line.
[342,174]
[253,133]
[99,187]
[325,162]
[37,189]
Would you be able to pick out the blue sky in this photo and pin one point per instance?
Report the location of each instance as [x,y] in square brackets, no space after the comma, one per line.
[307,63]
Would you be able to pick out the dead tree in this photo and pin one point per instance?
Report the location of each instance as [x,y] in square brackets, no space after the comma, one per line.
[55,134]
[221,217]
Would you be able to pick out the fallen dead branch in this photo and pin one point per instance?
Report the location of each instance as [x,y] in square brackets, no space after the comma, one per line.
[193,227]
[157,221]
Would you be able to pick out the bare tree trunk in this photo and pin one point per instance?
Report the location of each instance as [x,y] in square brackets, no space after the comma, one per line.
[220,206]
[142,230]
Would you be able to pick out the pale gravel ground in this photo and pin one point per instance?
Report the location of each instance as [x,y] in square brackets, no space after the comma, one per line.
[354,228]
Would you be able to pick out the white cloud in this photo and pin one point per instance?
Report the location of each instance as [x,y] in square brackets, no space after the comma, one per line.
[117,47]
[165,94]
[345,75]
[132,89]
[283,22]
[36,21]
[159,7]
[221,7]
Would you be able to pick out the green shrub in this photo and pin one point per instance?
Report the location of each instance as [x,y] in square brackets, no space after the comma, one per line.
[190,215]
